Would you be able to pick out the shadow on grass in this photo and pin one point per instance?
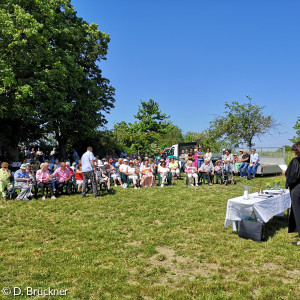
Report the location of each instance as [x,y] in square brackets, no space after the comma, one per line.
[105,192]
[275,225]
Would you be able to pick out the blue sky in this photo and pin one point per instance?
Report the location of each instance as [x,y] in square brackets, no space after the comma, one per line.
[191,56]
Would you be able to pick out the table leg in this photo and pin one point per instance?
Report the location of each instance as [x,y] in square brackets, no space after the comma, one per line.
[235,225]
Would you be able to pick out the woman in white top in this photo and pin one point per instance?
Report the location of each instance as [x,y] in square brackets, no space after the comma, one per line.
[164,172]
[208,154]
[132,173]
[228,161]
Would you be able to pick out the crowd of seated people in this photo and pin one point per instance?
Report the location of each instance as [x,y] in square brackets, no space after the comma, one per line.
[52,178]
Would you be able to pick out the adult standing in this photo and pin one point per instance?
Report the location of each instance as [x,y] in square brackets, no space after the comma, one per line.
[32,155]
[75,157]
[182,158]
[39,155]
[196,157]
[293,183]
[200,155]
[163,155]
[123,154]
[88,171]
[208,154]
[191,155]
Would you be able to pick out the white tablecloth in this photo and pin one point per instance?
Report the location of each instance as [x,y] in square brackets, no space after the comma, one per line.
[263,209]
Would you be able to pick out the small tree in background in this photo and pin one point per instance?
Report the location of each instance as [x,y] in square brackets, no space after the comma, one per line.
[242,123]
[296,138]
[151,131]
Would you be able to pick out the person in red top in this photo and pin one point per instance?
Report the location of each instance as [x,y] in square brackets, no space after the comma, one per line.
[79,177]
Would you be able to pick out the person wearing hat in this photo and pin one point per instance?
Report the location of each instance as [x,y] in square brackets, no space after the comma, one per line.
[23,183]
[218,170]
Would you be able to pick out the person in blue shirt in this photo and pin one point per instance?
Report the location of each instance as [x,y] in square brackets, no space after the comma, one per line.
[23,182]
[88,171]
[200,155]
[75,157]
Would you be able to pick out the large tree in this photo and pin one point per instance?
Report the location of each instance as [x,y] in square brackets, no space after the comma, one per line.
[242,122]
[50,79]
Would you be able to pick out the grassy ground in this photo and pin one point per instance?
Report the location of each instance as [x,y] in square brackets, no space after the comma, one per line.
[161,243]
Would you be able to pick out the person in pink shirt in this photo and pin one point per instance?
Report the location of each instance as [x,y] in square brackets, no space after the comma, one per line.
[44,181]
[63,178]
[191,173]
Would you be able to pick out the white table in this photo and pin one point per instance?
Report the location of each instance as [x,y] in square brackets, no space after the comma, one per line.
[260,208]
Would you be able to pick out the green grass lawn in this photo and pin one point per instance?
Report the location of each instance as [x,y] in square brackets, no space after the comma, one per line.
[161,243]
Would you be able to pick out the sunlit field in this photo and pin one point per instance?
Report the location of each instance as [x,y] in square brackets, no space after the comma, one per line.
[153,243]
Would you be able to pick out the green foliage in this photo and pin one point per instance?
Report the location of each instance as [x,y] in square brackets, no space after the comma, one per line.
[296,138]
[289,155]
[150,118]
[242,122]
[204,139]
[151,132]
[50,79]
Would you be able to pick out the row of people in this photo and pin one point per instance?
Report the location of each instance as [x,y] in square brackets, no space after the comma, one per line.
[243,163]
[141,173]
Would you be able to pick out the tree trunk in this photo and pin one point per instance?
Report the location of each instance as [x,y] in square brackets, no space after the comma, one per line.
[250,145]
[62,148]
